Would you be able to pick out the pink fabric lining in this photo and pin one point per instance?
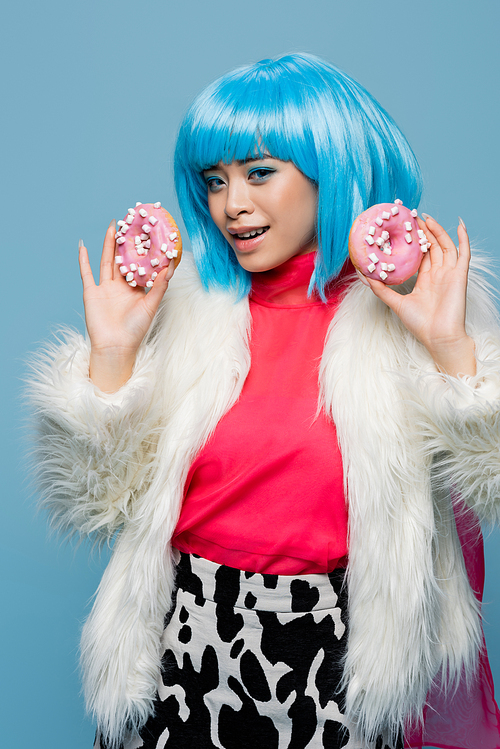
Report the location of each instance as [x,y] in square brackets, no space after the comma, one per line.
[469,719]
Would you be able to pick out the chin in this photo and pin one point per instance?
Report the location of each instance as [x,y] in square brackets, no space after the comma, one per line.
[259,266]
[256,264]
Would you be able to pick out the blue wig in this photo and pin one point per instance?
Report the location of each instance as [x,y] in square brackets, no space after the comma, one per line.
[302,109]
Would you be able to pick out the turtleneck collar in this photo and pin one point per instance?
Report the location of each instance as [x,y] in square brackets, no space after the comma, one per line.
[287,284]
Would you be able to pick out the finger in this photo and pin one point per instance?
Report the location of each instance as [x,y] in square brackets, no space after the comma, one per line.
[386,294]
[425,265]
[464,252]
[435,251]
[160,285]
[362,278]
[85,269]
[448,248]
[106,270]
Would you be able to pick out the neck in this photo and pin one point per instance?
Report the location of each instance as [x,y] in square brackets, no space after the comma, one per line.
[288,284]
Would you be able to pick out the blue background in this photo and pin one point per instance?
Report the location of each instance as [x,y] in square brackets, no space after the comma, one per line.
[92,94]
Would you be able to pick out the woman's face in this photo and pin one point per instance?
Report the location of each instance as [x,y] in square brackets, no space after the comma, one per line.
[265,208]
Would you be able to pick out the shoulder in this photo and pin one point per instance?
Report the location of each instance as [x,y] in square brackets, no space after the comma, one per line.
[186,290]
[191,319]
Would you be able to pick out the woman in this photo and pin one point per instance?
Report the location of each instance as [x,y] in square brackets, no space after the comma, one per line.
[223,430]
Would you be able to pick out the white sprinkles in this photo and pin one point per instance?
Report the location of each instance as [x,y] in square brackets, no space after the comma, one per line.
[382,242]
[142,245]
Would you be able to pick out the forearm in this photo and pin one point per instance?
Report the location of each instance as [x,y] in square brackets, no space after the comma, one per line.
[460,422]
[92,450]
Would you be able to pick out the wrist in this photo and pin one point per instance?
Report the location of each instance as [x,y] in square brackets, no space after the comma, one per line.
[455,357]
[109,369]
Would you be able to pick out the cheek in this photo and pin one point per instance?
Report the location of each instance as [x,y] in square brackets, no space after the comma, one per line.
[216,208]
[305,212]
[302,200]
[312,208]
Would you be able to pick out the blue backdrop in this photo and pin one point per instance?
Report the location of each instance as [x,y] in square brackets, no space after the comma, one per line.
[92,94]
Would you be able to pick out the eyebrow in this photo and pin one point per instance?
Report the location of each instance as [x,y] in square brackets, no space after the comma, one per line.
[243,161]
[253,159]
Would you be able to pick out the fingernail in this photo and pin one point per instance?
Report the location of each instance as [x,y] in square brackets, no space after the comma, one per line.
[362,278]
[80,243]
[425,216]
[113,223]
[462,223]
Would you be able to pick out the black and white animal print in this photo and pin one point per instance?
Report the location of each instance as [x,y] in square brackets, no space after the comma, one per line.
[251,661]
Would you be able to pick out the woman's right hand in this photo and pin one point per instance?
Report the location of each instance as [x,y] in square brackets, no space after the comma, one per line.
[117,315]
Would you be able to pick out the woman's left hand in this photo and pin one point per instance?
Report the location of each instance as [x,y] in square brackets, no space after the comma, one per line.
[435,310]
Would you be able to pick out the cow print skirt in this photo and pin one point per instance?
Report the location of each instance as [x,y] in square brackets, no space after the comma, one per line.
[251,661]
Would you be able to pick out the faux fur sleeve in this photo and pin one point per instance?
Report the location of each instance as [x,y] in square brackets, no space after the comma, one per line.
[92,449]
[460,416]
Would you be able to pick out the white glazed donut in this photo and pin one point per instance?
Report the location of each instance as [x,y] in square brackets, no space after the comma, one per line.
[386,243]
[146,241]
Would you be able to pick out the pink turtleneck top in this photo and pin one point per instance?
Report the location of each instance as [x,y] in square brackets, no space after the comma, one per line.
[265,494]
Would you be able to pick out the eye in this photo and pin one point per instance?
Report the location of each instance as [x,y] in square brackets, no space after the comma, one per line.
[214,184]
[260,174]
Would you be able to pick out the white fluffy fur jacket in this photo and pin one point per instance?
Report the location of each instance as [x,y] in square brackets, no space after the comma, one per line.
[119,462]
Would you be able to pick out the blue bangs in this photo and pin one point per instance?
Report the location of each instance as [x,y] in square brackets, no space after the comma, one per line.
[299,109]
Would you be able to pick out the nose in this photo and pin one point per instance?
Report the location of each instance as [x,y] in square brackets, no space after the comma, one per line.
[238,200]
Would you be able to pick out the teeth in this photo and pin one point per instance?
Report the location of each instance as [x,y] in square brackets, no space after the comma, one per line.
[248,234]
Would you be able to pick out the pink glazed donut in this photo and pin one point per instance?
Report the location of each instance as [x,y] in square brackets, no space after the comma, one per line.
[146,241]
[386,243]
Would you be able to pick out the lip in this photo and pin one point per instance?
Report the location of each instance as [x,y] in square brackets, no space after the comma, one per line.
[243,229]
[247,245]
